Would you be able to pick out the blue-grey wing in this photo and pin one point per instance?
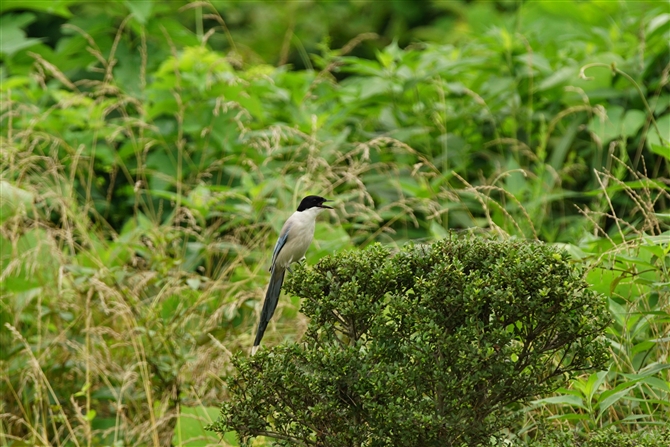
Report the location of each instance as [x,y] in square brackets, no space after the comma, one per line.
[283,237]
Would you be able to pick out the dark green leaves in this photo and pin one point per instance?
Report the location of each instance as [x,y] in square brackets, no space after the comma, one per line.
[427,346]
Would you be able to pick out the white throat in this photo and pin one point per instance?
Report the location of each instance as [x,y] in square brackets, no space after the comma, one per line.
[310,213]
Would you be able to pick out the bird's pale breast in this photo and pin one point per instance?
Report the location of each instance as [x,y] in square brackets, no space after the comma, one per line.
[302,232]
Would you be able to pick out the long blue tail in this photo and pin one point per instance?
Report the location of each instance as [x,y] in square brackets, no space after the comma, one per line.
[270,303]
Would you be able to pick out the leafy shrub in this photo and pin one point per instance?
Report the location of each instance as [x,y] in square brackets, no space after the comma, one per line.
[605,438]
[428,347]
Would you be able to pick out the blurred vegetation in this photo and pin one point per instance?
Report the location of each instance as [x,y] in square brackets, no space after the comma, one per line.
[150,152]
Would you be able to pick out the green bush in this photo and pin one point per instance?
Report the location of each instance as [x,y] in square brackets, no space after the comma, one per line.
[430,346]
[605,438]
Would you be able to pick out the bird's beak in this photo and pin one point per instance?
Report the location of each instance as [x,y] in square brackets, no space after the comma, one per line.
[326,206]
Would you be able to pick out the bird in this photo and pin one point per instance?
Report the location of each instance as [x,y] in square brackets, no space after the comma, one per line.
[294,239]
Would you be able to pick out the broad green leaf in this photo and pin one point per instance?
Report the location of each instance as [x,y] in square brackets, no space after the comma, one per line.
[569,417]
[659,136]
[13,200]
[13,37]
[328,240]
[438,231]
[657,383]
[190,428]
[616,123]
[141,9]
[592,385]
[558,78]
[612,398]
[662,150]
[56,7]
[648,371]
[643,346]
[657,24]
[573,401]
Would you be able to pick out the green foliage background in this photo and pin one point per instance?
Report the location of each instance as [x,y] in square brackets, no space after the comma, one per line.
[151,151]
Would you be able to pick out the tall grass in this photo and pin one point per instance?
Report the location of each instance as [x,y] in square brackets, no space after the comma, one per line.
[629,264]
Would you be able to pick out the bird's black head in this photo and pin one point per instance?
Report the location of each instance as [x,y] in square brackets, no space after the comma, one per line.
[313,202]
